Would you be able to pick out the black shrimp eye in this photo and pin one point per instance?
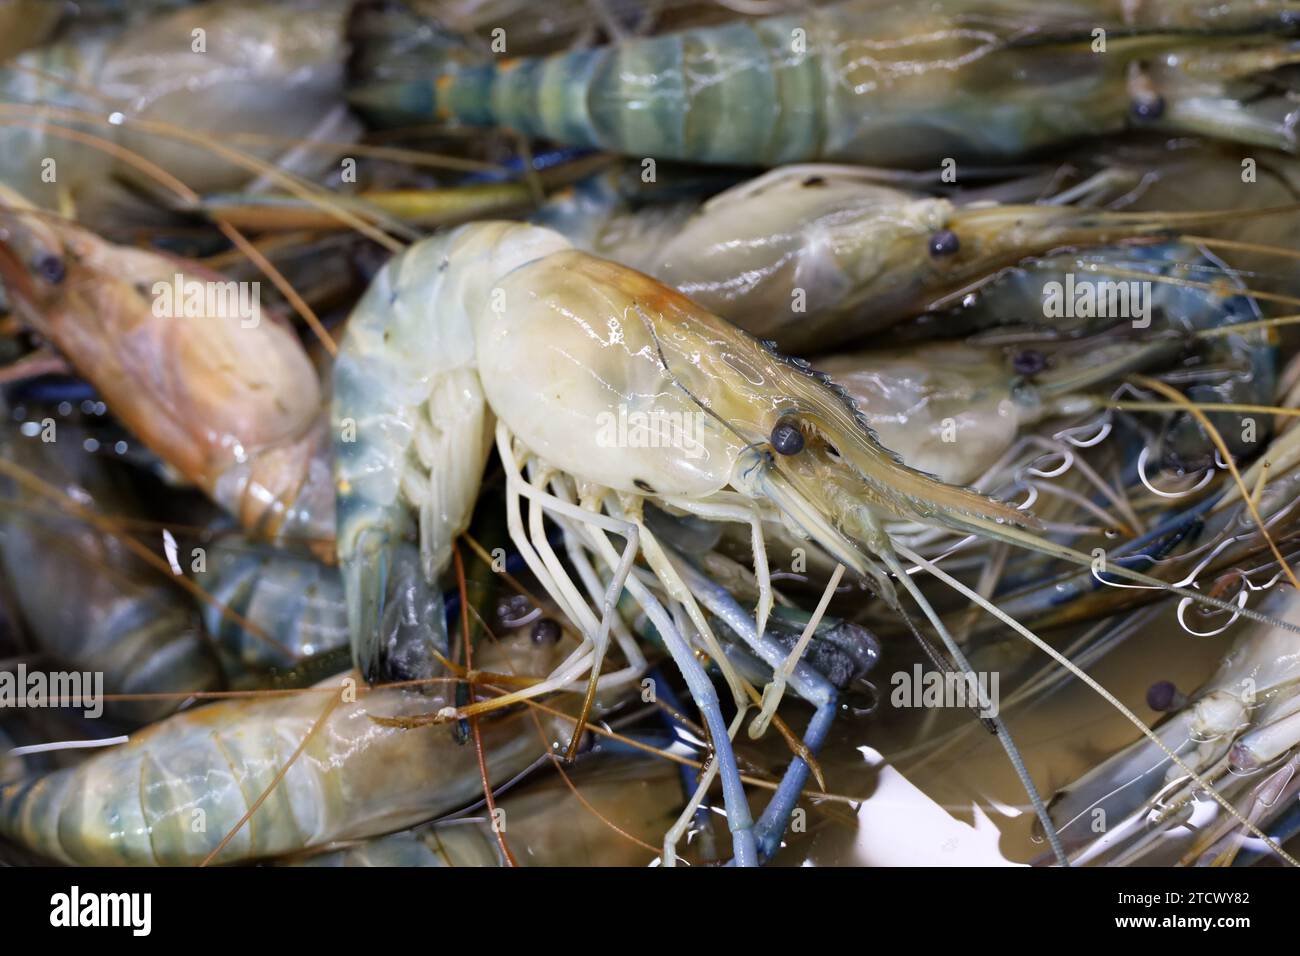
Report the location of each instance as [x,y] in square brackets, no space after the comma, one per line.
[545,631]
[787,437]
[944,243]
[1029,362]
[1149,108]
[1163,696]
[51,268]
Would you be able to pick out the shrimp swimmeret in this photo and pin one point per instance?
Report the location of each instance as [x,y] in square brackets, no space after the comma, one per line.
[502,331]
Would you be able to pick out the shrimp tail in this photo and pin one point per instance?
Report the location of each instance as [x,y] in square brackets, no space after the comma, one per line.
[25,813]
[412,430]
[396,618]
[402,61]
[581,98]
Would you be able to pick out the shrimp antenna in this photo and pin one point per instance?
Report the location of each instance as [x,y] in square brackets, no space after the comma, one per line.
[181,189]
[1107,695]
[1181,400]
[886,554]
[307,191]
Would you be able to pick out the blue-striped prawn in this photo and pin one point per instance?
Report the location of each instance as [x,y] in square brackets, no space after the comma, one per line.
[291,598]
[184,788]
[888,84]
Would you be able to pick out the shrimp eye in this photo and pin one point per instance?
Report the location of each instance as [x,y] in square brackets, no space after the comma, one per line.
[1163,696]
[787,437]
[51,268]
[1149,108]
[1029,362]
[545,631]
[944,243]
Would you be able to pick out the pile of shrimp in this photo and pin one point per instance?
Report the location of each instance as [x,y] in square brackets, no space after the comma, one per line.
[845,432]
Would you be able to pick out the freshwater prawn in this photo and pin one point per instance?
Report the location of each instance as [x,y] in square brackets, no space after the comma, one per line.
[258,71]
[224,394]
[1239,730]
[502,330]
[887,84]
[128,623]
[814,256]
[331,764]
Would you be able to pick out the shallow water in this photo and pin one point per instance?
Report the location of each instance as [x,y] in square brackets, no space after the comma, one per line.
[962,803]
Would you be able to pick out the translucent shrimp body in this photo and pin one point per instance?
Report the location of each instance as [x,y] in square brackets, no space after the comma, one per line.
[271,69]
[815,255]
[1238,730]
[505,321]
[889,84]
[950,410]
[138,804]
[127,622]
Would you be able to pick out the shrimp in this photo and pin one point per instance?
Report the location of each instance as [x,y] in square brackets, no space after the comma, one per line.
[954,409]
[170,795]
[1238,730]
[274,71]
[1172,297]
[295,599]
[1195,175]
[506,322]
[135,628]
[886,84]
[1197,329]
[468,843]
[222,393]
[815,256]
[545,823]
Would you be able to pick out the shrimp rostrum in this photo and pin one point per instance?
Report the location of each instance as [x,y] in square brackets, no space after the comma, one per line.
[504,330]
